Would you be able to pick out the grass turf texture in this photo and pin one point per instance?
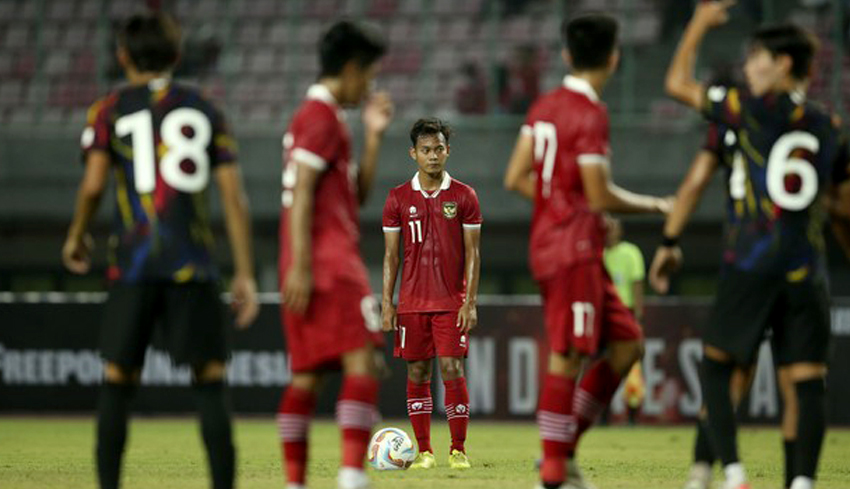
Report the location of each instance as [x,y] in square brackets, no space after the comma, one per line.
[167,453]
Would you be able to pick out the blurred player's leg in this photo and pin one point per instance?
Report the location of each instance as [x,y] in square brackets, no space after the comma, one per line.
[293,421]
[700,474]
[420,404]
[356,413]
[555,418]
[213,408]
[717,371]
[704,457]
[810,387]
[801,342]
[112,413]
[457,409]
[600,382]
[790,413]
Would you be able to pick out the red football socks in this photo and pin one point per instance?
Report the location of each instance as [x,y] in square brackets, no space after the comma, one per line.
[356,413]
[457,411]
[419,407]
[594,393]
[557,426]
[293,422]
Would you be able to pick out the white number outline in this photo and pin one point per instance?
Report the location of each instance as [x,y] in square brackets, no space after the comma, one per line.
[546,149]
[415,231]
[738,178]
[583,314]
[139,126]
[780,164]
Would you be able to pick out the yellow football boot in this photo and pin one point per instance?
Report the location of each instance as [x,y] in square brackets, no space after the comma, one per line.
[425,460]
[458,460]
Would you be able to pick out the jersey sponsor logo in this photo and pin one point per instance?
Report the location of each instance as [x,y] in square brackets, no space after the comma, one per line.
[449,210]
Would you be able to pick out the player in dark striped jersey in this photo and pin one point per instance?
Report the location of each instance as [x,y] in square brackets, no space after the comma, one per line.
[164,142]
[784,153]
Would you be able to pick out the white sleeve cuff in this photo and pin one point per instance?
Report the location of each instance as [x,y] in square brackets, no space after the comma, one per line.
[472,226]
[309,158]
[526,130]
[592,159]
[390,229]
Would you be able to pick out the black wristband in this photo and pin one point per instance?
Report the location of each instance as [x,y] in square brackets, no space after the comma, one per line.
[668,242]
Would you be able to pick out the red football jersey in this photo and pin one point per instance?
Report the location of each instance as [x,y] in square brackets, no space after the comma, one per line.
[570,128]
[318,136]
[432,277]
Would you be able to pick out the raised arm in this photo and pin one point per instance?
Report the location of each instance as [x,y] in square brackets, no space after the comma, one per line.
[76,252]
[377,115]
[468,314]
[668,257]
[681,82]
[392,238]
[298,282]
[519,176]
[237,219]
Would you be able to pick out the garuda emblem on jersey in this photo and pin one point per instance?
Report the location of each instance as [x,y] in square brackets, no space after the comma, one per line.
[449,210]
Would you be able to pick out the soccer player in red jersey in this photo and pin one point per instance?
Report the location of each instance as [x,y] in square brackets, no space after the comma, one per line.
[165,143]
[561,162]
[439,221]
[330,318]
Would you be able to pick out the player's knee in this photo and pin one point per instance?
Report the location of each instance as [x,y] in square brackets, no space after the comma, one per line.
[360,362]
[419,372]
[567,365]
[208,372]
[115,374]
[716,354]
[801,372]
[451,368]
[308,382]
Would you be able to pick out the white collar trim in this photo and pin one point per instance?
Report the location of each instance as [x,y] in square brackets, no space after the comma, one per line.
[447,181]
[581,86]
[320,92]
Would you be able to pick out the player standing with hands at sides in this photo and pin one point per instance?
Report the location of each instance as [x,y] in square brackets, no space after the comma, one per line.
[786,156]
[164,142]
[561,162]
[330,318]
[439,221]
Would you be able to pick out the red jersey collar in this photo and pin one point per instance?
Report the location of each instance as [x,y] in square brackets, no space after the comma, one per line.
[581,86]
[447,181]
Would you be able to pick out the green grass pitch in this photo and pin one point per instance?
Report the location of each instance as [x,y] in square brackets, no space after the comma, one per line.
[166,453]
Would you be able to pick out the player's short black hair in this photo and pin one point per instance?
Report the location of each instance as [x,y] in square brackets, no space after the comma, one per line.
[346,41]
[790,40]
[429,126]
[152,41]
[590,39]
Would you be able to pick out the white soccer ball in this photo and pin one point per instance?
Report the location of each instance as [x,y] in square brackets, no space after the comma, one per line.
[391,449]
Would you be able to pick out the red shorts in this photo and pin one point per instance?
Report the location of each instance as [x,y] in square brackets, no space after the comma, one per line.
[583,311]
[338,320]
[422,336]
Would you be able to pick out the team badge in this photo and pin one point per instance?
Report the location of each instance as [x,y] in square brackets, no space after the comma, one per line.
[412,210]
[449,210]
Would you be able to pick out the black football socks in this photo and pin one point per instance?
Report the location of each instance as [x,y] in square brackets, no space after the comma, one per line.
[721,414]
[213,408]
[703,452]
[789,447]
[112,413]
[811,397]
